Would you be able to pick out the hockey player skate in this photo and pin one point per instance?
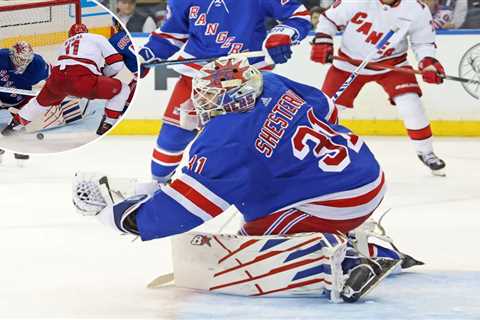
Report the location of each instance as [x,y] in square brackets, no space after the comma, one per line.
[433,162]
[21,158]
[366,276]
[104,126]
[13,128]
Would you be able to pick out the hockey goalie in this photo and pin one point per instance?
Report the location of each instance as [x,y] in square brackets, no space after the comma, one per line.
[21,68]
[304,185]
[85,68]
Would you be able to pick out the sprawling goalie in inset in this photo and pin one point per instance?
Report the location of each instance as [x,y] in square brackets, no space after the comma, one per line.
[271,147]
[21,69]
[85,68]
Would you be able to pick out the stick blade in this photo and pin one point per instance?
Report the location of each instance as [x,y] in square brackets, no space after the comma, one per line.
[160,281]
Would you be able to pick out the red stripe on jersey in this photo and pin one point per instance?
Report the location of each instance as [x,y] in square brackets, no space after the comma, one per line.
[114,58]
[167,158]
[355,201]
[285,221]
[168,36]
[81,60]
[196,197]
[420,134]
[302,13]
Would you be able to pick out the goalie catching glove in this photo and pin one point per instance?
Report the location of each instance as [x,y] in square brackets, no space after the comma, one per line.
[93,195]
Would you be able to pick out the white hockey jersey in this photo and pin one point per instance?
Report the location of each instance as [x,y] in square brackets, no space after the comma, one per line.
[365,22]
[92,51]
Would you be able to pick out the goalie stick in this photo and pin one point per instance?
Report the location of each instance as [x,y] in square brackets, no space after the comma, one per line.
[31,93]
[167,278]
[155,63]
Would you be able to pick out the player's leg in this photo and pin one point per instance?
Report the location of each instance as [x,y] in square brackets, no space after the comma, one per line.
[172,139]
[114,108]
[405,93]
[335,78]
[88,85]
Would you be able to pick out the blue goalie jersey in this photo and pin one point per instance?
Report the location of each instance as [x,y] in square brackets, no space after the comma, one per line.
[123,44]
[36,71]
[211,28]
[288,152]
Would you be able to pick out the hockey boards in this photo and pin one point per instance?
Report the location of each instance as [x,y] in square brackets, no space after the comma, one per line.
[297,265]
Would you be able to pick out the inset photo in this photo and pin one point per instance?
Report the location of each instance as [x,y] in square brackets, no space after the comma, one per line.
[68,73]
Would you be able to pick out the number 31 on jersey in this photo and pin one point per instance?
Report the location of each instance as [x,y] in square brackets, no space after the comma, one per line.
[333,157]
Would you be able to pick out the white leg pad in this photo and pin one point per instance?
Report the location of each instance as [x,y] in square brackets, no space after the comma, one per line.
[295,265]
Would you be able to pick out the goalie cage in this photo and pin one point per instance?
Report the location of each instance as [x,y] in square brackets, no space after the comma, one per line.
[44,24]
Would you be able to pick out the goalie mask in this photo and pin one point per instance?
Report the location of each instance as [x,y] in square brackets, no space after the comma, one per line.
[224,86]
[21,55]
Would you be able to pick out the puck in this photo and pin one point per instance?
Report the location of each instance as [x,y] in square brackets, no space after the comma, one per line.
[40,136]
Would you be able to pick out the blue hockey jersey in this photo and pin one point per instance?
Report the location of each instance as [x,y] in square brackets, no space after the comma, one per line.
[210,28]
[288,152]
[123,44]
[36,71]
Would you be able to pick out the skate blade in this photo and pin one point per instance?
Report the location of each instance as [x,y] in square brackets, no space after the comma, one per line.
[439,173]
[386,274]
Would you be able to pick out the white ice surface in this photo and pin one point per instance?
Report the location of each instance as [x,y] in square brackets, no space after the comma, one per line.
[57,264]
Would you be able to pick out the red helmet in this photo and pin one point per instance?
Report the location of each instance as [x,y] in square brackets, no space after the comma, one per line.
[76,29]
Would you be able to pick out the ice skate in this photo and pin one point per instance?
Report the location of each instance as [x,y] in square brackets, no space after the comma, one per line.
[104,126]
[366,276]
[13,128]
[433,162]
[21,159]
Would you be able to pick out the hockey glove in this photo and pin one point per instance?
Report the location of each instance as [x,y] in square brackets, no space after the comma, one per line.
[279,47]
[146,55]
[322,48]
[432,70]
